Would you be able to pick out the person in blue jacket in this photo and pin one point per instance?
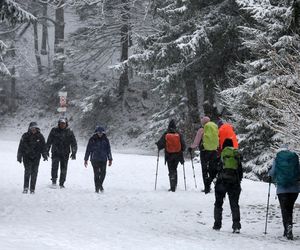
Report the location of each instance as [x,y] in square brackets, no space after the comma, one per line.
[287,193]
[99,152]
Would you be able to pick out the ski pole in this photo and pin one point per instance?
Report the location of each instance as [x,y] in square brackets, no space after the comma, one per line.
[156,169]
[193,170]
[184,176]
[267,208]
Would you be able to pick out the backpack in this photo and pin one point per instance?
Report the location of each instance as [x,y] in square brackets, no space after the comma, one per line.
[210,139]
[286,168]
[226,132]
[231,160]
[173,144]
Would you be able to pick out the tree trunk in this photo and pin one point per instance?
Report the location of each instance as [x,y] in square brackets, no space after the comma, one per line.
[36,45]
[59,58]
[209,106]
[191,91]
[124,79]
[295,23]
[13,105]
[45,30]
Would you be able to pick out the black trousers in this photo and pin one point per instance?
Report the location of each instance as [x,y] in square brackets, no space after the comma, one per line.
[287,201]
[172,167]
[99,173]
[63,162]
[31,171]
[233,191]
[209,167]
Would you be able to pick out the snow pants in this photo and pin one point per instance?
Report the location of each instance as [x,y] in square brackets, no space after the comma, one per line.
[61,160]
[172,167]
[287,201]
[31,171]
[233,191]
[209,167]
[99,173]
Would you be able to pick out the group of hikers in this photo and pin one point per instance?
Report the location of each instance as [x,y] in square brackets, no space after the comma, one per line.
[63,146]
[221,163]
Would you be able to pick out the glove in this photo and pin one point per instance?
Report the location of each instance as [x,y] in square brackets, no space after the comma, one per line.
[190,150]
[73,156]
[19,159]
[45,158]
[109,162]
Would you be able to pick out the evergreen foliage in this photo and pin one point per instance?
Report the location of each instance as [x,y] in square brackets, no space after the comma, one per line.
[11,13]
[262,104]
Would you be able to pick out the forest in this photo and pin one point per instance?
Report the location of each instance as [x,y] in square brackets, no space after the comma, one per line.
[132,65]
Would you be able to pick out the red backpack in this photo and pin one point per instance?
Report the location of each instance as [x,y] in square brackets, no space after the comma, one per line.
[173,144]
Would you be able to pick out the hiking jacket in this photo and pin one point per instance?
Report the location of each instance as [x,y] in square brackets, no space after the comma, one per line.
[161,144]
[32,146]
[280,189]
[62,142]
[98,149]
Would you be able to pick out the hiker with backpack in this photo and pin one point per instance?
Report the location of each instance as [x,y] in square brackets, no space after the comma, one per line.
[285,173]
[207,139]
[228,181]
[173,143]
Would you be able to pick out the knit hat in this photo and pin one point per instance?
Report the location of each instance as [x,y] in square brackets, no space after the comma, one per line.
[33,125]
[205,120]
[100,129]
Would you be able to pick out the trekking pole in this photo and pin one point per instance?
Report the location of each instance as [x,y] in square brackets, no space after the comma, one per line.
[267,208]
[184,177]
[156,169]
[193,170]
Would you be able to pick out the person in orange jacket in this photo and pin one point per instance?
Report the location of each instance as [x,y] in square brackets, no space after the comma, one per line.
[226,131]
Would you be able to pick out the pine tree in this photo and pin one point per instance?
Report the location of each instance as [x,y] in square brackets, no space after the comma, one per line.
[12,13]
[262,104]
[188,55]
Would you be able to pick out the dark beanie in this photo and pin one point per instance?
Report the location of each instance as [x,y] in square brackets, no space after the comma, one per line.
[172,124]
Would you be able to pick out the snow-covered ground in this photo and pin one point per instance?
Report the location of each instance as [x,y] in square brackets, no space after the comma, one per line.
[130,214]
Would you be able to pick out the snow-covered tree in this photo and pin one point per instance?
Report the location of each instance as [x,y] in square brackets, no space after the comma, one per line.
[262,102]
[11,13]
[109,36]
[188,53]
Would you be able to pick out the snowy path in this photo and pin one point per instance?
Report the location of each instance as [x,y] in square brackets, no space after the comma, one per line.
[130,214]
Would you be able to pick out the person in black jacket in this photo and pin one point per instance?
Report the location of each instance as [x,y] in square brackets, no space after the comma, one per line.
[31,147]
[228,181]
[174,146]
[63,141]
[98,149]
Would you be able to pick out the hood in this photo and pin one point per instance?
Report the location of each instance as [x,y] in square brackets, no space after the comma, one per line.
[172,125]
[100,129]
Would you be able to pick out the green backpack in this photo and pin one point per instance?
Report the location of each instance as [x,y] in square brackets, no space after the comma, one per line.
[286,168]
[230,158]
[210,136]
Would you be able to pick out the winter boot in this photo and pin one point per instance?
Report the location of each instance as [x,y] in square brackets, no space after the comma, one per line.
[217,226]
[31,191]
[101,189]
[236,231]
[289,232]
[25,190]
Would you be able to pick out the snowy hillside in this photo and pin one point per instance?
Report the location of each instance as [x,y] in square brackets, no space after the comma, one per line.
[130,214]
